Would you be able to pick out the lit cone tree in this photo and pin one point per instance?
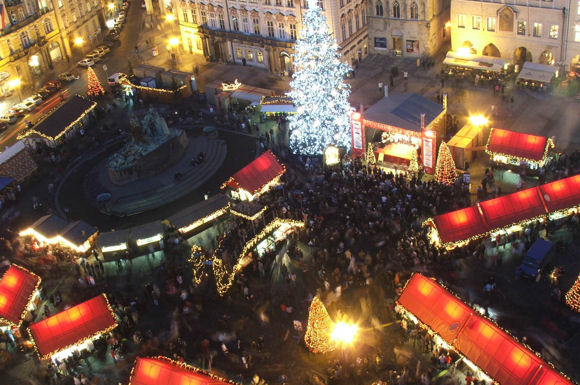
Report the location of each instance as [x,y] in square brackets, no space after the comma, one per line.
[445,171]
[93,84]
[572,297]
[371,159]
[318,89]
[413,165]
[319,328]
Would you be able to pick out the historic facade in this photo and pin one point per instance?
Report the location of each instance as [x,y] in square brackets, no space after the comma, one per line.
[546,32]
[408,27]
[263,33]
[29,44]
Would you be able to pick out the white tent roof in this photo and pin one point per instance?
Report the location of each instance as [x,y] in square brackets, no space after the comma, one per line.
[537,72]
[250,97]
[285,108]
[484,63]
[11,151]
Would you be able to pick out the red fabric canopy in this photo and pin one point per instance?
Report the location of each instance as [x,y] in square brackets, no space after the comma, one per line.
[258,173]
[460,224]
[16,289]
[162,371]
[72,326]
[479,340]
[517,144]
[512,208]
[561,194]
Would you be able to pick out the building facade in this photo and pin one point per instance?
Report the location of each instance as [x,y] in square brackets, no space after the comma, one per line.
[29,43]
[262,33]
[540,31]
[408,27]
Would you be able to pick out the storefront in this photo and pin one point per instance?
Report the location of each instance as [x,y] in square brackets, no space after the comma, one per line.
[517,149]
[468,65]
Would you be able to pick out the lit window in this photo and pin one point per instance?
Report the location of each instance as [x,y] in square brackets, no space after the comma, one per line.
[522,26]
[554,29]
[577,32]
[293,31]
[537,29]
[491,24]
[239,53]
[260,57]
[460,21]
[476,22]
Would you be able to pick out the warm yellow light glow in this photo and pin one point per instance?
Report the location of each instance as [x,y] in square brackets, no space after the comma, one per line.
[464,51]
[79,41]
[344,332]
[170,17]
[174,41]
[33,61]
[478,120]
[331,155]
[14,83]
[58,239]
[111,6]
[448,24]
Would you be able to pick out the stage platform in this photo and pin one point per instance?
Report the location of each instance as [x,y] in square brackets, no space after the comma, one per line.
[396,153]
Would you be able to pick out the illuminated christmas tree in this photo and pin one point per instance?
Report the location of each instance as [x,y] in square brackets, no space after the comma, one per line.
[413,165]
[371,159]
[445,171]
[318,89]
[94,86]
[573,295]
[319,329]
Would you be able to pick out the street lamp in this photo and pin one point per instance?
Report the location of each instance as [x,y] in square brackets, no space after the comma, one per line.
[15,84]
[478,120]
[344,333]
[170,17]
[111,7]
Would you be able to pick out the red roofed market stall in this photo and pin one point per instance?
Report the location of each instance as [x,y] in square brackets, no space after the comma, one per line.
[515,148]
[58,336]
[18,293]
[162,371]
[256,177]
[549,201]
[479,340]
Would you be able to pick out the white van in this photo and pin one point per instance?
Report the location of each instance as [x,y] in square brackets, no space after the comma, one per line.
[116,78]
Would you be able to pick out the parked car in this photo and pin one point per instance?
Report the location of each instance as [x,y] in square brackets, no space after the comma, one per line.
[46,92]
[15,111]
[116,78]
[95,56]
[9,118]
[26,105]
[36,99]
[67,77]
[534,260]
[86,62]
[53,84]
[103,50]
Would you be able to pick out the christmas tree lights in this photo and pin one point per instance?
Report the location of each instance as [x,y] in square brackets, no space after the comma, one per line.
[413,165]
[318,89]
[318,336]
[445,170]
[94,85]
[572,297]
[371,159]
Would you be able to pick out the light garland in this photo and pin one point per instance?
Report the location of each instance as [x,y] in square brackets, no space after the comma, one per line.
[318,337]
[198,267]
[82,340]
[278,99]
[445,171]
[64,131]
[231,86]
[572,297]
[248,217]
[206,219]
[94,86]
[151,89]
[30,299]
[540,163]
[58,239]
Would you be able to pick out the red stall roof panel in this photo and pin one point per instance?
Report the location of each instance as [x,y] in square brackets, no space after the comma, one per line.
[434,306]
[561,194]
[72,326]
[517,144]
[162,371]
[512,208]
[548,376]
[460,225]
[16,288]
[258,173]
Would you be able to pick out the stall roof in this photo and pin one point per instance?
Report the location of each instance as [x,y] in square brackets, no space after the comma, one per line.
[512,208]
[537,72]
[500,356]
[61,120]
[278,108]
[49,226]
[11,151]
[146,230]
[561,194]
[258,173]
[78,232]
[460,225]
[162,371]
[403,111]
[517,144]
[113,238]
[199,211]
[71,326]
[16,288]
[484,63]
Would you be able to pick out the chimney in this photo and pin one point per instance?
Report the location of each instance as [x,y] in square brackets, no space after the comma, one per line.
[386,91]
[422,122]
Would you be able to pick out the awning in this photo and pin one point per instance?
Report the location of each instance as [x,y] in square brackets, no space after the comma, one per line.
[561,194]
[278,108]
[483,343]
[247,96]
[484,63]
[517,144]
[162,370]
[460,225]
[512,208]
[537,72]
[72,326]
[257,174]
[16,289]
[200,214]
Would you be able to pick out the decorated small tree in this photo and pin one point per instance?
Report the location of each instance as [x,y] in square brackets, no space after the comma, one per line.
[319,329]
[371,159]
[445,171]
[94,85]
[413,165]
[572,297]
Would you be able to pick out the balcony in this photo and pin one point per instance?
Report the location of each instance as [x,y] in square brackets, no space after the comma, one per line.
[23,23]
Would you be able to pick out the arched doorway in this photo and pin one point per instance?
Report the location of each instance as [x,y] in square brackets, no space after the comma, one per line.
[54,51]
[491,50]
[522,54]
[285,62]
[467,47]
[546,57]
[397,41]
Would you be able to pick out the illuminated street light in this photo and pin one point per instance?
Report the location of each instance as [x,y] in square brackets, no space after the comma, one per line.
[111,6]
[79,41]
[464,51]
[478,120]
[170,17]
[174,41]
[344,332]
[14,83]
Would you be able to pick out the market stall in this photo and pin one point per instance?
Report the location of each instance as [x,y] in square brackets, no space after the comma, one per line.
[506,214]
[51,229]
[484,347]
[455,62]
[113,241]
[518,149]
[162,370]
[147,233]
[399,124]
[200,214]
[256,178]
[277,105]
[63,123]
[72,330]
[16,162]
[536,76]
[466,142]
[223,95]
[19,294]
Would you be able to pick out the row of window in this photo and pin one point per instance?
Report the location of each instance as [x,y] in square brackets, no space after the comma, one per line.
[554,32]
[360,20]
[342,2]
[396,10]
[249,55]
